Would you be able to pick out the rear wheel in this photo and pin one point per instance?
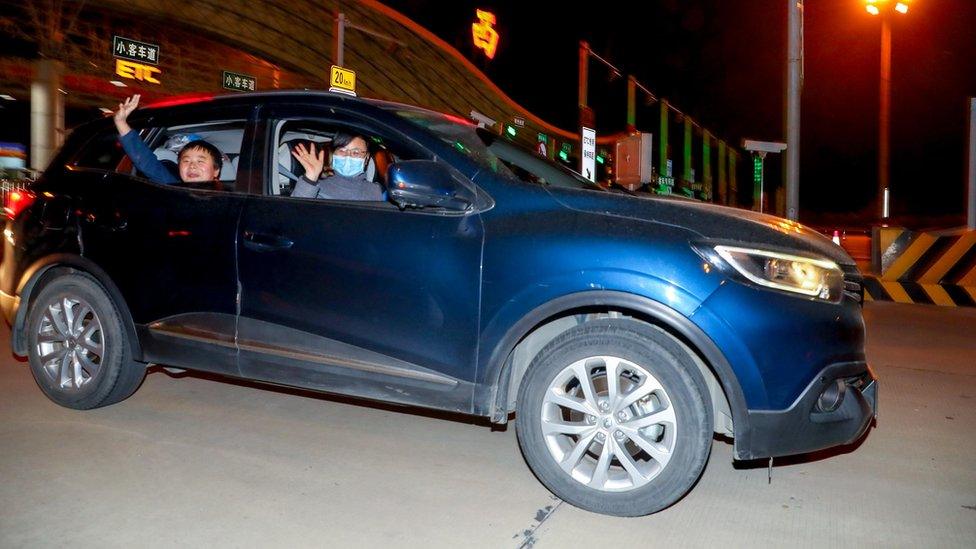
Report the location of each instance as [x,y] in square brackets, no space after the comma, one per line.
[79,352]
[612,417]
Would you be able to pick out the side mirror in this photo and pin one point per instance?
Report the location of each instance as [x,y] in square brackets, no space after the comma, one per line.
[426,184]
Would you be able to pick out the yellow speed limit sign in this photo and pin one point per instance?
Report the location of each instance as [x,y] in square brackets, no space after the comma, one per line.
[342,81]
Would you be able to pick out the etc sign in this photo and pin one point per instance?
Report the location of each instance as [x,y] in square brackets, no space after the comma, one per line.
[135,59]
[136,71]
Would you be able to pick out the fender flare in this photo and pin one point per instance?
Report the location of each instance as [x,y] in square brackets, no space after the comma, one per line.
[41,267]
[498,367]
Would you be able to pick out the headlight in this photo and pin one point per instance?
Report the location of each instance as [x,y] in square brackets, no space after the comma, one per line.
[819,278]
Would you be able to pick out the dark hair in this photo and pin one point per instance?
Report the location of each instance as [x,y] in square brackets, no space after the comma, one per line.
[200,144]
[342,139]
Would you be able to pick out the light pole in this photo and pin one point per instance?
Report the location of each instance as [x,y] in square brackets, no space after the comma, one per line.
[884,9]
[794,81]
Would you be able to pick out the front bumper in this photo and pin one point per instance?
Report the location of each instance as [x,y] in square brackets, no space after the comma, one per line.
[805,427]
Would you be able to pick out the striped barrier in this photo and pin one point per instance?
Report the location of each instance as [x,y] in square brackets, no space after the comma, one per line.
[931,268]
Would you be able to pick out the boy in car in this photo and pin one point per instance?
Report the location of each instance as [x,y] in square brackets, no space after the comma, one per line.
[199,161]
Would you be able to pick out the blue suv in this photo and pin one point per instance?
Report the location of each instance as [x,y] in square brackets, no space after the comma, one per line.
[621,333]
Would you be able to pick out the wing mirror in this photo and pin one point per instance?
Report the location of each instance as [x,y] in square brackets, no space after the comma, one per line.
[426,184]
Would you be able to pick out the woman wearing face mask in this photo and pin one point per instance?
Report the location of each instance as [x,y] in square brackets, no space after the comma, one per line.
[348,182]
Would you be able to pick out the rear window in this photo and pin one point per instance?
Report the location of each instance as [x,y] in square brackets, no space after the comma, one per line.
[226,135]
[102,152]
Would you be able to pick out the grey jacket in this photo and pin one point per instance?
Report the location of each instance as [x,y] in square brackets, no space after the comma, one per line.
[337,187]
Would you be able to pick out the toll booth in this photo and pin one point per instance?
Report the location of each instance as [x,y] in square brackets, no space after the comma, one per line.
[633,160]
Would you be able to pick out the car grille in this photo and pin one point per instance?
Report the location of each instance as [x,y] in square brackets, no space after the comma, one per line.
[853,287]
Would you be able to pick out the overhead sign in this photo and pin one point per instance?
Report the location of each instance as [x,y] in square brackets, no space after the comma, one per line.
[239,82]
[519,121]
[763,146]
[485,36]
[588,158]
[342,81]
[136,71]
[134,50]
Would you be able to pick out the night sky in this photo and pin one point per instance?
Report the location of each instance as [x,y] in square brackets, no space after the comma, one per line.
[723,62]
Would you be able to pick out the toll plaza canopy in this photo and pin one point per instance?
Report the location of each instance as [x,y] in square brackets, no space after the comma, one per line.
[280,44]
[92,54]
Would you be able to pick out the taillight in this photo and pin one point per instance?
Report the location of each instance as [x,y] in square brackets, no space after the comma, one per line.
[17,201]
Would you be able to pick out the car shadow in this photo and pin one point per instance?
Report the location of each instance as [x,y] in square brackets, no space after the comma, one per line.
[327,397]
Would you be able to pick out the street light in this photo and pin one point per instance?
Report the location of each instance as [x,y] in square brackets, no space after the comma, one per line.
[883,9]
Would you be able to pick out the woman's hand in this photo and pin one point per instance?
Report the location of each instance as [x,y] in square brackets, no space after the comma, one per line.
[312,161]
[125,109]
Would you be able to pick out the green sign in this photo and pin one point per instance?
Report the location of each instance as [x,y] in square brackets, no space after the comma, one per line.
[665,185]
[239,82]
[134,50]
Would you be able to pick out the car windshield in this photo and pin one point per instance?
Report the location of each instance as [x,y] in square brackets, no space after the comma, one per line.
[529,166]
[465,137]
[489,149]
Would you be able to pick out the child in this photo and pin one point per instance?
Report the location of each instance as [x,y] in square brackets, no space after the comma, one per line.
[199,161]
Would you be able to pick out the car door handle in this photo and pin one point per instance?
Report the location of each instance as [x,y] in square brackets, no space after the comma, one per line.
[263,242]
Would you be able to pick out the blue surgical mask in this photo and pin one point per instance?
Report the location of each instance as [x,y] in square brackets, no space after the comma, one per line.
[348,166]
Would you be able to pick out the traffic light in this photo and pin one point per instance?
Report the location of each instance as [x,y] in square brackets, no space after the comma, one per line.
[563,155]
[510,130]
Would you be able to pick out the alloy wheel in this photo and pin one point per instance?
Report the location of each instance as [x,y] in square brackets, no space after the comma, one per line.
[70,342]
[608,423]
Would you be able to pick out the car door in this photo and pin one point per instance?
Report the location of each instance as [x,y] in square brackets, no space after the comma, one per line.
[358,298]
[171,249]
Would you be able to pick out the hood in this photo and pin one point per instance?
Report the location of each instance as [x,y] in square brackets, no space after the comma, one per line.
[712,223]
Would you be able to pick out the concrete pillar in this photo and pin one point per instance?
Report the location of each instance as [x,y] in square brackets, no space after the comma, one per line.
[662,167]
[733,185]
[707,166]
[686,168]
[47,112]
[631,104]
[971,169]
[723,195]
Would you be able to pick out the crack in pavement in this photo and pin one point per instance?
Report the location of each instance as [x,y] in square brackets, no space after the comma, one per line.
[541,516]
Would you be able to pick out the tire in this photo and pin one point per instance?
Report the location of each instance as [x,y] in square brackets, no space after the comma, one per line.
[79,351]
[629,450]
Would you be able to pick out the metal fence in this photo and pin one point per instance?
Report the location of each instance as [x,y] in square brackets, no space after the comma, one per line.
[8,186]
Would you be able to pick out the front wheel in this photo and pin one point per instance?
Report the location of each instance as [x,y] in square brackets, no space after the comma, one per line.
[613,417]
[78,349]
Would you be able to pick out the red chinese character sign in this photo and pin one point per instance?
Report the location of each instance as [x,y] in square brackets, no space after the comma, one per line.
[485,36]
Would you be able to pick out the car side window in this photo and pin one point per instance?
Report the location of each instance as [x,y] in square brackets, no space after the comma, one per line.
[227,136]
[286,169]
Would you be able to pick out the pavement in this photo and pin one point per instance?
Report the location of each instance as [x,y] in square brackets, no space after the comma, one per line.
[197,461]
